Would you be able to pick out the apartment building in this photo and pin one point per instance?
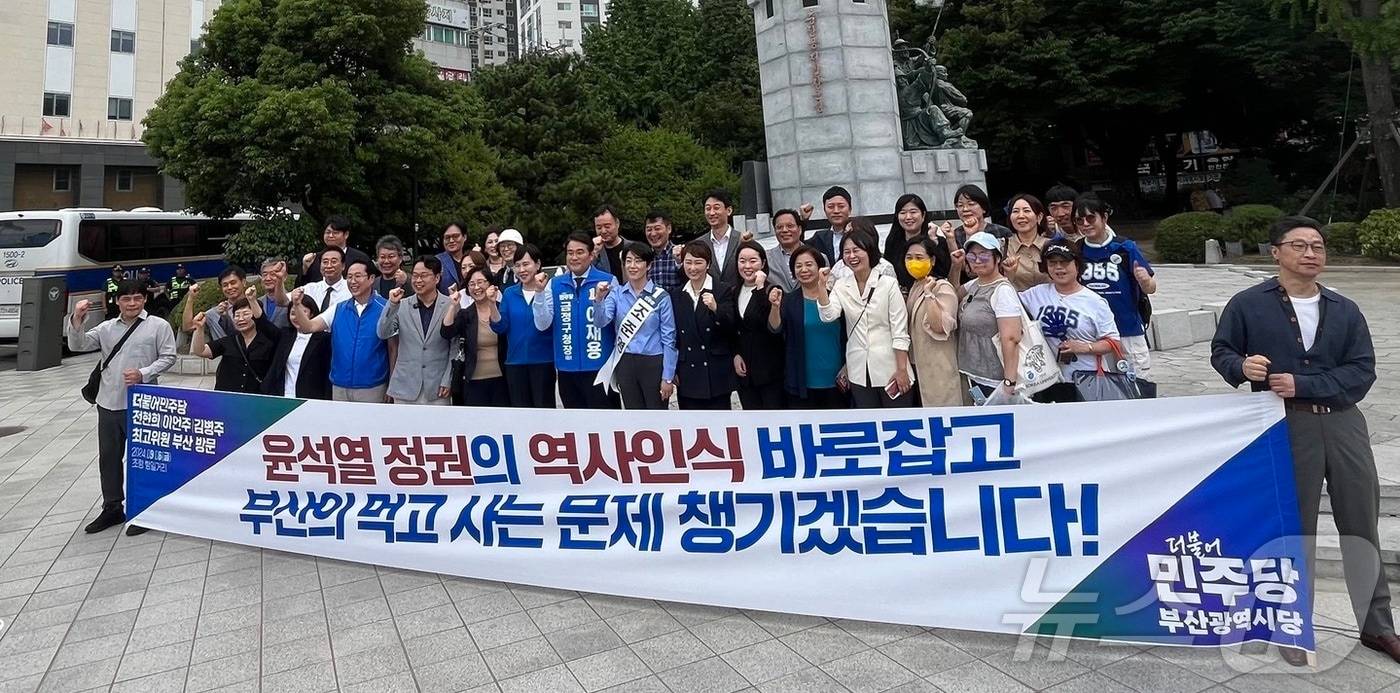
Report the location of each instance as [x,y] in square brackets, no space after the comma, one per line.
[80,76]
[558,24]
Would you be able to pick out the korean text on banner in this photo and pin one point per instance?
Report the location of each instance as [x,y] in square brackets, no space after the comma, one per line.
[1171,520]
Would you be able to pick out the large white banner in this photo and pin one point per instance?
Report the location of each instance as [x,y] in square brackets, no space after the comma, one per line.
[1171,519]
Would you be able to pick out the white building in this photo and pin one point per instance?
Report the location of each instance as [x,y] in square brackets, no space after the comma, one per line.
[558,24]
[80,75]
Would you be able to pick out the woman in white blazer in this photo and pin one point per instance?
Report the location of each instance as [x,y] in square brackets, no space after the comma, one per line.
[877,326]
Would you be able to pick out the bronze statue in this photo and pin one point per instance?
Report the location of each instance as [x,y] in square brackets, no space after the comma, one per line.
[933,113]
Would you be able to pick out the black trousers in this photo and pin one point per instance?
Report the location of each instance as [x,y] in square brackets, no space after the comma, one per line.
[638,380]
[866,397]
[822,398]
[489,392]
[770,396]
[531,385]
[111,448]
[716,403]
[577,391]
[1059,392]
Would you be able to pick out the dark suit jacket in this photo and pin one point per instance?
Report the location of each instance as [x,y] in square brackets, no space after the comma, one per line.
[705,341]
[761,348]
[314,375]
[825,242]
[730,274]
[794,337]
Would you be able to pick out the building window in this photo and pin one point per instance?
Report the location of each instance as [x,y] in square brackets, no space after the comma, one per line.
[124,180]
[809,3]
[566,42]
[566,25]
[62,179]
[118,109]
[123,41]
[589,10]
[56,105]
[60,34]
[566,6]
[195,45]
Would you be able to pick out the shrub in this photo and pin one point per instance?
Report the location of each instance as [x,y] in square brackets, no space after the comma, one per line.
[1182,237]
[1343,237]
[1250,224]
[281,235]
[209,296]
[1380,234]
[1252,181]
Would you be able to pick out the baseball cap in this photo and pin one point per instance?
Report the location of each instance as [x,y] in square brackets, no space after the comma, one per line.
[118,268]
[1059,249]
[180,266]
[144,270]
[984,239]
[510,236]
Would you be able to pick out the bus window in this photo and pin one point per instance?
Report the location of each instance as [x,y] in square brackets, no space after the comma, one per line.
[28,233]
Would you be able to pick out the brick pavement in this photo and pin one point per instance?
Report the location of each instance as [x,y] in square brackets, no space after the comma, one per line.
[163,612]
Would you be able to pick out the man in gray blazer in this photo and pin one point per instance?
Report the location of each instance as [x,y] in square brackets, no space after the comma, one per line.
[722,238]
[423,372]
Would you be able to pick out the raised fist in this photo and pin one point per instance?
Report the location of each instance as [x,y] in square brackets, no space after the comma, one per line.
[946,231]
[806,210]
[541,279]
[597,244]
[603,289]
[825,274]
[746,236]
[775,297]
[297,293]
[453,294]
[708,298]
[400,277]
[199,320]
[194,289]
[958,255]
[396,295]
[493,294]
[250,293]
[80,310]
[223,308]
[306,261]
[760,278]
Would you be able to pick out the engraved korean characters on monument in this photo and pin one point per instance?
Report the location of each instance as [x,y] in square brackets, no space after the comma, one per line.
[832,110]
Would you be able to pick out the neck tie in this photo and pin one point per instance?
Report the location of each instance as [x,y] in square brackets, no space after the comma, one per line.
[578,283]
[326,300]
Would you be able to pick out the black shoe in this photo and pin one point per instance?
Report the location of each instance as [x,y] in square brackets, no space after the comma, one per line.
[108,519]
[1294,656]
[134,531]
[1388,645]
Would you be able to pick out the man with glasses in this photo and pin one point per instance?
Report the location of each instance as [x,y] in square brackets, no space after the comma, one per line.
[359,358]
[454,241]
[335,235]
[1311,346]
[421,372]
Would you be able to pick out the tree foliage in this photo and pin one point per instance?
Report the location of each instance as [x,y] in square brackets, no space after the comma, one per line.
[662,169]
[318,102]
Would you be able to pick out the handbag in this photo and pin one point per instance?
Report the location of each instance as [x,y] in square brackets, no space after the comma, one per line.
[1036,366]
[94,382]
[1102,385]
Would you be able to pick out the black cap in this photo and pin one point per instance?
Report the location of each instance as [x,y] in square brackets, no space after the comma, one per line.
[1060,249]
[144,270]
[180,266]
[117,268]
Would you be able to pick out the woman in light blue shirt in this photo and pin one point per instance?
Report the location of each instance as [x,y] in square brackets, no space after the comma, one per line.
[643,367]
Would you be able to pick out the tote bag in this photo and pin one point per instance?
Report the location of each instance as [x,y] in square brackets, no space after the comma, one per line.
[1036,367]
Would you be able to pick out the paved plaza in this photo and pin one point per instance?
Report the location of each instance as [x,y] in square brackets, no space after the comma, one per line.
[162,612]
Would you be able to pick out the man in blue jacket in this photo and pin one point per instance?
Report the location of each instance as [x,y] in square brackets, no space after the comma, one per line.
[1311,346]
[359,358]
[580,347]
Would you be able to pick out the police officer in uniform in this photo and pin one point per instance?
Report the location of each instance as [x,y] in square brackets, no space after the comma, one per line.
[109,295]
[155,293]
[178,285]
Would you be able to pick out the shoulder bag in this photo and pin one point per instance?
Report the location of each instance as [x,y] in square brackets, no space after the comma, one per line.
[94,382]
[1036,365]
[1102,385]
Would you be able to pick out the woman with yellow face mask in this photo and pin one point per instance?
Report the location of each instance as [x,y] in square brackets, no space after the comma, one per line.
[933,321]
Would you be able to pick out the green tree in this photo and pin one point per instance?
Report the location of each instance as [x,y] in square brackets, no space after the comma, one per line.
[662,169]
[547,127]
[318,102]
[1372,29]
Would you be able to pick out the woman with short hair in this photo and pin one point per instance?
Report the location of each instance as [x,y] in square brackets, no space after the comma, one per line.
[877,327]
[990,315]
[758,357]
[704,310]
[933,321]
[814,349]
[478,373]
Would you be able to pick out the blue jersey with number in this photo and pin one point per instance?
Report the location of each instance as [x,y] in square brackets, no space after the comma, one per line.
[1109,272]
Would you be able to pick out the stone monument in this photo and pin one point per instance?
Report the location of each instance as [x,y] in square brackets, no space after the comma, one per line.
[832,112]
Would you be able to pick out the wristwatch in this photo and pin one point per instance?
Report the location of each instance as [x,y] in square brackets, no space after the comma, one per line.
[1009,383]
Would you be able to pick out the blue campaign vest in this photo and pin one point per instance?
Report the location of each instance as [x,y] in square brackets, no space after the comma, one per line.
[578,345]
[359,358]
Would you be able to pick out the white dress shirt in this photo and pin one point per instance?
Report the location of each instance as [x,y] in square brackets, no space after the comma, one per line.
[150,349]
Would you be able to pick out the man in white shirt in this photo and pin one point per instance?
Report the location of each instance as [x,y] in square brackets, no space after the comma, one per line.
[719,206]
[331,289]
[148,352]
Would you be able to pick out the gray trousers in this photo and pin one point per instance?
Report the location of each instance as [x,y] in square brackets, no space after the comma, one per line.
[638,380]
[1336,448]
[111,449]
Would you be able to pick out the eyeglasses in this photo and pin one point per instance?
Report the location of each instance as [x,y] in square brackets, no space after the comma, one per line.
[966,205]
[984,256]
[422,275]
[357,275]
[1304,246]
[453,237]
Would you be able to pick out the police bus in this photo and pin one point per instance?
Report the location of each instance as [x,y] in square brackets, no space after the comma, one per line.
[82,245]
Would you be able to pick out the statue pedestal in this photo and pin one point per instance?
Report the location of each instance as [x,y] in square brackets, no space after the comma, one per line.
[831,115]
